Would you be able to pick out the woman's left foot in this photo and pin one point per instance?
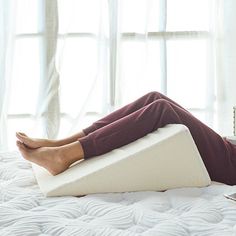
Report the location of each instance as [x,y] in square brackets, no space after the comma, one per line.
[35,142]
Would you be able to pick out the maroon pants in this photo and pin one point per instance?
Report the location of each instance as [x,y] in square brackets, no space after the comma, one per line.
[147,114]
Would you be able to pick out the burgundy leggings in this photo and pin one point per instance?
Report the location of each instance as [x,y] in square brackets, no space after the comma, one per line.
[147,114]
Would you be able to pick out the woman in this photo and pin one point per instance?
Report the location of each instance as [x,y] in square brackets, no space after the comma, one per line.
[125,125]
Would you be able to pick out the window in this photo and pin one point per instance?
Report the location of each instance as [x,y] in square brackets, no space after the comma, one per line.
[110,52]
[165,43]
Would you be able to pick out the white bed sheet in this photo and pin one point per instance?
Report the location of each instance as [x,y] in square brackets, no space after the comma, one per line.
[186,211]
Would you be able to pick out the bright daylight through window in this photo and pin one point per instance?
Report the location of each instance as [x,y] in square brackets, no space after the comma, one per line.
[110,52]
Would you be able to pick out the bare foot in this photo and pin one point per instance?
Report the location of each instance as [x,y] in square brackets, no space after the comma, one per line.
[54,159]
[35,142]
[48,157]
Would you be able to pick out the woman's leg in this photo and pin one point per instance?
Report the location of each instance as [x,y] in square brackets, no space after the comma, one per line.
[116,115]
[116,134]
[128,109]
[215,152]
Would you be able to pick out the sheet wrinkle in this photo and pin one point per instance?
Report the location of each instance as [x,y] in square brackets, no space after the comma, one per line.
[185,211]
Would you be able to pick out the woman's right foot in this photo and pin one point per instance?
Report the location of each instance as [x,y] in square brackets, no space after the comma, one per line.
[54,159]
[47,157]
[35,142]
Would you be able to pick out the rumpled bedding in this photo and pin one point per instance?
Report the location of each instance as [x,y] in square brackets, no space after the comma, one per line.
[181,212]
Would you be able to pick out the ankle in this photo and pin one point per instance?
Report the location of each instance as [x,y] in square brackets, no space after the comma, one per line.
[54,143]
[70,153]
[57,143]
[62,156]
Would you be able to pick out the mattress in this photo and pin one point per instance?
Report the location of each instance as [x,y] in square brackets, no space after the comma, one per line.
[184,211]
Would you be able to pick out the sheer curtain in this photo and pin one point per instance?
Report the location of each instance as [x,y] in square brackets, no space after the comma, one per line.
[7,28]
[83,62]
[163,45]
[184,49]
[66,63]
[225,60]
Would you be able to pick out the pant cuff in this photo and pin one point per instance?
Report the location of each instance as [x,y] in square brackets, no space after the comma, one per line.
[89,129]
[88,147]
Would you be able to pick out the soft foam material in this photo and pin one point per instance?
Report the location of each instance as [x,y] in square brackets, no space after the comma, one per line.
[165,159]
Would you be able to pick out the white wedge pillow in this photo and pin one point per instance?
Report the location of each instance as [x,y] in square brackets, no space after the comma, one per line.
[165,159]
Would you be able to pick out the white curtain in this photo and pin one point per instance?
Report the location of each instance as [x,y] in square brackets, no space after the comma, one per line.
[69,62]
[48,109]
[7,28]
[225,61]
[189,58]
[83,61]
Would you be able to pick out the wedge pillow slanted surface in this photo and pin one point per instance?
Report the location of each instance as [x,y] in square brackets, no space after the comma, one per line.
[165,159]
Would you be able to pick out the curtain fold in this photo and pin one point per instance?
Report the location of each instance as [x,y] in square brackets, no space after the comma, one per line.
[136,73]
[48,111]
[84,76]
[7,29]
[225,61]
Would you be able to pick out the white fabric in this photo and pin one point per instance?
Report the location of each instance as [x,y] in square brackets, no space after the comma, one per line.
[165,159]
[48,109]
[100,52]
[7,28]
[213,70]
[225,58]
[185,211]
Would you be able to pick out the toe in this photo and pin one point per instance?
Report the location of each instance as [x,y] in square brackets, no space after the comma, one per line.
[23,134]
[18,143]
[18,135]
[21,138]
[24,151]
[21,145]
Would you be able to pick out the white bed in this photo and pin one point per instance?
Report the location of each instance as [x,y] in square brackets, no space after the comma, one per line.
[187,211]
